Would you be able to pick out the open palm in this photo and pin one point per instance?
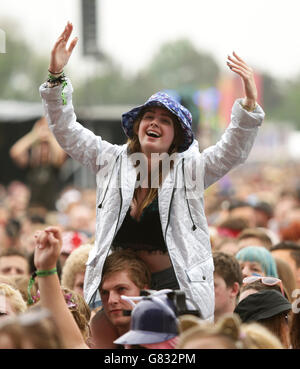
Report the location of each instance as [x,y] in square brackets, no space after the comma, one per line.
[60,54]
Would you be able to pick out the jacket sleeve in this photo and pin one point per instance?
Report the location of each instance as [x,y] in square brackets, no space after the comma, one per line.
[235,144]
[79,142]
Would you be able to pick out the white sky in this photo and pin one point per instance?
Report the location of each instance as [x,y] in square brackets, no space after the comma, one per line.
[264,32]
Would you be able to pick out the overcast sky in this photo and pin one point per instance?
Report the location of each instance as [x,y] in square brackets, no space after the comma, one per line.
[264,32]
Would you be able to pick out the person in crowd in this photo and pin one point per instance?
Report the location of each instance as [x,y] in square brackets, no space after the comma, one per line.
[17,199]
[33,329]
[123,274]
[11,301]
[227,245]
[290,231]
[289,252]
[39,151]
[227,333]
[71,241]
[80,311]
[99,324]
[74,268]
[285,273]
[256,260]
[14,262]
[231,227]
[295,328]
[255,283]
[254,237]
[138,206]
[11,234]
[153,325]
[81,219]
[244,210]
[227,283]
[263,213]
[269,308]
[47,251]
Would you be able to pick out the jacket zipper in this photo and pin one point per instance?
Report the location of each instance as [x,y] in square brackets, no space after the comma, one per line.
[121,204]
[167,225]
[100,205]
[194,227]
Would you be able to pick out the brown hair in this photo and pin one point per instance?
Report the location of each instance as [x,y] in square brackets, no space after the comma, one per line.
[256,233]
[128,261]
[134,147]
[227,267]
[286,274]
[294,330]
[291,232]
[278,325]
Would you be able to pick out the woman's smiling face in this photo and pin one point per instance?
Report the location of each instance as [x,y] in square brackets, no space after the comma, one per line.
[156,131]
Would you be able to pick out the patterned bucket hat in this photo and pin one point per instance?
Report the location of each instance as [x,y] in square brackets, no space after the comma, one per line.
[161,99]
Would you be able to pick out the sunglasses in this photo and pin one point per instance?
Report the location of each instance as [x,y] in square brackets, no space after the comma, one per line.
[268,281]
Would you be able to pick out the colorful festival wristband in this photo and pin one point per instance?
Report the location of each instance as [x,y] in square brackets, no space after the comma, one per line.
[39,273]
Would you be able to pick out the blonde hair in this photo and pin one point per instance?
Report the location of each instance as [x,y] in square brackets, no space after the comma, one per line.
[231,332]
[81,312]
[14,297]
[134,147]
[21,282]
[33,329]
[75,264]
[261,337]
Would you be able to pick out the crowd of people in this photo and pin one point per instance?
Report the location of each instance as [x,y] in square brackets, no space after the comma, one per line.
[151,258]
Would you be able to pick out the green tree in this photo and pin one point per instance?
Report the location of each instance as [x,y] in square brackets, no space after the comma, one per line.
[289,107]
[179,64]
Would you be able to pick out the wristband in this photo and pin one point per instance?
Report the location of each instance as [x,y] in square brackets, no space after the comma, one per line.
[56,81]
[39,273]
[248,108]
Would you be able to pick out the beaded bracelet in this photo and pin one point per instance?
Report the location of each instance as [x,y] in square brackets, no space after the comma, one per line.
[39,273]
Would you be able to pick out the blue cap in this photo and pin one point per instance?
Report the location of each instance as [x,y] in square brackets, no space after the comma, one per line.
[163,100]
[153,320]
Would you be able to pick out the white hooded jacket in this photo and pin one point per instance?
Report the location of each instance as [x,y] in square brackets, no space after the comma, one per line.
[180,197]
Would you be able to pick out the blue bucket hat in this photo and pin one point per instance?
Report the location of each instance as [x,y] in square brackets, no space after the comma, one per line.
[163,100]
[153,320]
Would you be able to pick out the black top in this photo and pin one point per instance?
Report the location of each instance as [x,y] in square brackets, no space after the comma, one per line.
[144,234]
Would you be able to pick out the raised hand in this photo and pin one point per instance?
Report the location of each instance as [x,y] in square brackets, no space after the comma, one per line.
[238,66]
[60,54]
[47,249]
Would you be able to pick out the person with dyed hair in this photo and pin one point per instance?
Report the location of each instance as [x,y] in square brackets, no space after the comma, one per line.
[257,260]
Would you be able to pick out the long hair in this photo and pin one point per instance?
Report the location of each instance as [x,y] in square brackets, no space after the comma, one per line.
[134,146]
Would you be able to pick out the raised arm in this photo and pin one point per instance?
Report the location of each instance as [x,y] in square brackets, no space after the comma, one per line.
[79,142]
[235,144]
[47,250]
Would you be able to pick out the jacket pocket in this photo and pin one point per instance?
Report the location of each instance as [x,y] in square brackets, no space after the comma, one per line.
[202,271]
